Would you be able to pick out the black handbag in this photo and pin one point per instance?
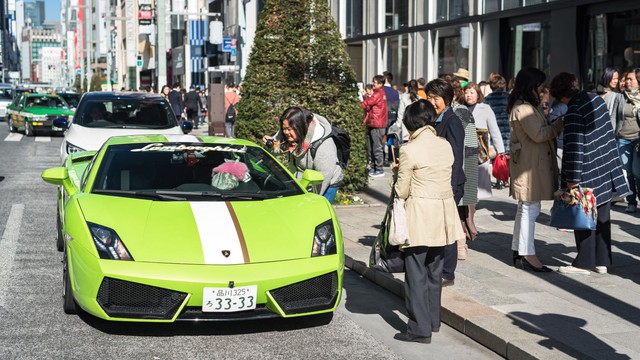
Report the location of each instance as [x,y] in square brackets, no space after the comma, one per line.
[384,256]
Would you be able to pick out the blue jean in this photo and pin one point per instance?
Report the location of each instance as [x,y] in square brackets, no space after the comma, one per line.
[630,166]
[330,194]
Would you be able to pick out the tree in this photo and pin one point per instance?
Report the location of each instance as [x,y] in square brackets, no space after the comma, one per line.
[299,59]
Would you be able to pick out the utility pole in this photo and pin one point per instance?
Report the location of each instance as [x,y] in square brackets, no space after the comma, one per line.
[89,37]
[161,52]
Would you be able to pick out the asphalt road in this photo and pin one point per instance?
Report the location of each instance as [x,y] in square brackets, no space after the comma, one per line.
[35,327]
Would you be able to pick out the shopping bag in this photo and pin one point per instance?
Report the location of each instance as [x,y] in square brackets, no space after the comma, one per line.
[574,209]
[501,167]
[384,256]
[398,229]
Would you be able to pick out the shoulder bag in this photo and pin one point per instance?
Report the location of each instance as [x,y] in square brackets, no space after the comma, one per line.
[574,209]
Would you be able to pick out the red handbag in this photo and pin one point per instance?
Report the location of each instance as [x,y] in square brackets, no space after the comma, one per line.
[501,167]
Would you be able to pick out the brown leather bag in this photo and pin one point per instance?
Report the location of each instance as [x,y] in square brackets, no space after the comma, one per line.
[483,145]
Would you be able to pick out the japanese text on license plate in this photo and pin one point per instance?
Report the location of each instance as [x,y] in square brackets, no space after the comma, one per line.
[229,299]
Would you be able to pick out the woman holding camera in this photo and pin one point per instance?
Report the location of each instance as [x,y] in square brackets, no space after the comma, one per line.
[299,128]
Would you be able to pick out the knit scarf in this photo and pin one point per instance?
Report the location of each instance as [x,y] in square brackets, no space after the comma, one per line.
[634,98]
[300,151]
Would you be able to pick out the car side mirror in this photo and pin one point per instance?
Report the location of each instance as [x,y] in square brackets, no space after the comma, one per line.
[311,178]
[186,127]
[61,123]
[59,176]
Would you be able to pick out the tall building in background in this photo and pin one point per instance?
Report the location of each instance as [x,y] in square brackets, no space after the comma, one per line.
[9,44]
[34,10]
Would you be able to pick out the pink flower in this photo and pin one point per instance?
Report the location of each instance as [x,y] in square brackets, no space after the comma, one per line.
[235,168]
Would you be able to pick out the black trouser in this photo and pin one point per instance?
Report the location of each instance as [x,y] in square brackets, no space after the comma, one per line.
[451,251]
[423,289]
[192,116]
[594,246]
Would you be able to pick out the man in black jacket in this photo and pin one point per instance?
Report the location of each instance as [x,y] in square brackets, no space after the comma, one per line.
[193,104]
[177,104]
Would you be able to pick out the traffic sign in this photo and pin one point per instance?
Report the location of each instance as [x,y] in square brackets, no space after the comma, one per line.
[227,44]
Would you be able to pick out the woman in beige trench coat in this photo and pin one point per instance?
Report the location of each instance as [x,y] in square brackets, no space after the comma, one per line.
[532,166]
[424,181]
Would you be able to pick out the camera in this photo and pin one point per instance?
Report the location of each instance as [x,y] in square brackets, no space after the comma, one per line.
[270,143]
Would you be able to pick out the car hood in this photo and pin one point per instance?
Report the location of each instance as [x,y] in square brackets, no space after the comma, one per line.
[208,232]
[93,138]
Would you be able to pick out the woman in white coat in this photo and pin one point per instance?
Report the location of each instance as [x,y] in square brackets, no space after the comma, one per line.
[485,121]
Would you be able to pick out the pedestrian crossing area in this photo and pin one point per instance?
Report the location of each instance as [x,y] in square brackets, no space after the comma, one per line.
[18,137]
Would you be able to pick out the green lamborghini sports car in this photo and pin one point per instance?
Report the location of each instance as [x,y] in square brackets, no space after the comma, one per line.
[163,228]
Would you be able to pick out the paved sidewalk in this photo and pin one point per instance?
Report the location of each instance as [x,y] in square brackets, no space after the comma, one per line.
[520,314]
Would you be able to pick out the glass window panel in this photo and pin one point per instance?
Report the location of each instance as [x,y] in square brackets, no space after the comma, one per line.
[491,6]
[533,2]
[458,9]
[396,14]
[453,52]
[442,10]
[530,44]
[397,50]
[354,18]
[510,4]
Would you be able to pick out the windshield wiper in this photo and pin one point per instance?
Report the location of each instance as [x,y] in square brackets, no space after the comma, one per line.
[224,196]
[140,193]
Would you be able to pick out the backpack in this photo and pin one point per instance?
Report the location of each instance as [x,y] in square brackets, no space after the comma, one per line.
[230,116]
[343,145]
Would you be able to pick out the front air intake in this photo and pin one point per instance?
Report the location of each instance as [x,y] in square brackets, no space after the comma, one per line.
[319,293]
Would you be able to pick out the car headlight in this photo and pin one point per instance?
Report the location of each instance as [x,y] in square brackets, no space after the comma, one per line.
[108,243]
[72,148]
[324,240]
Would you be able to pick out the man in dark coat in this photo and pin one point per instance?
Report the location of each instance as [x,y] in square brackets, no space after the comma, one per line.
[590,159]
[449,126]
[193,104]
[177,104]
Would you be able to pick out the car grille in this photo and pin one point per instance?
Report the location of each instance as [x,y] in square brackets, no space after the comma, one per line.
[319,293]
[120,298]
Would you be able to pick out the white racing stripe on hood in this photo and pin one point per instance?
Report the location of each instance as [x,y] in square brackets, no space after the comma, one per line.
[182,138]
[217,233]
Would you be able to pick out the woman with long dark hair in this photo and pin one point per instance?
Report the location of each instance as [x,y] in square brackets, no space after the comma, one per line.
[299,128]
[608,90]
[533,167]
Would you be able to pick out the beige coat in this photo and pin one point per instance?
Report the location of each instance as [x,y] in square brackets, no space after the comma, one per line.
[532,167]
[424,180]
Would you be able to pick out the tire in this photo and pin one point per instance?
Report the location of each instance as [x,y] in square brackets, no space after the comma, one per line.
[68,303]
[11,127]
[28,129]
[59,237]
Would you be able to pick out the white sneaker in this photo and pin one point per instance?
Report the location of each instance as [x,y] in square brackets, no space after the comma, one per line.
[601,269]
[572,270]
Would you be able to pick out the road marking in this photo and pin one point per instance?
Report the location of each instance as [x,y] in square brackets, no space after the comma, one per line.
[43,138]
[13,137]
[8,246]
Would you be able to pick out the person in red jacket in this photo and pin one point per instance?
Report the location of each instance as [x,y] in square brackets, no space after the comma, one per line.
[376,122]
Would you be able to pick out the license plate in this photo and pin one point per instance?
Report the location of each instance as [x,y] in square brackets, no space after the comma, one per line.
[229,299]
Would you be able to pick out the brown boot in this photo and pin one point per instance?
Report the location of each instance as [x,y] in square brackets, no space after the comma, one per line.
[462,249]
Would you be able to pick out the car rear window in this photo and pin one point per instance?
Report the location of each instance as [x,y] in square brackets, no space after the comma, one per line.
[125,113]
[193,171]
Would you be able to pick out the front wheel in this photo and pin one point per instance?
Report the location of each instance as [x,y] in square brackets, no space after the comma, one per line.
[11,127]
[28,129]
[68,303]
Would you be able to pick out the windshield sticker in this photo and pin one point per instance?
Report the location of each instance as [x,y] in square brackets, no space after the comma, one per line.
[181,147]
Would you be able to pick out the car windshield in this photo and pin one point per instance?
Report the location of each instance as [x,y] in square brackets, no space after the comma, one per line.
[5,94]
[192,171]
[125,113]
[45,101]
[71,99]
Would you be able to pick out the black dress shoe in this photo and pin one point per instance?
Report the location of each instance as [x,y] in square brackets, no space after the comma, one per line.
[523,264]
[412,338]
[447,282]
[516,257]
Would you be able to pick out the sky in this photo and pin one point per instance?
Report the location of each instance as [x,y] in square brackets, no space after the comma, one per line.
[51,9]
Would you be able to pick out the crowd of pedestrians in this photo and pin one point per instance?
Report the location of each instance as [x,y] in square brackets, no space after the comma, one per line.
[449,129]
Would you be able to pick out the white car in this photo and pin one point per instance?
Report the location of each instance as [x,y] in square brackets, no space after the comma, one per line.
[5,99]
[101,115]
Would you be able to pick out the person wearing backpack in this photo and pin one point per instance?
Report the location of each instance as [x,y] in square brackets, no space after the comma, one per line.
[231,99]
[307,138]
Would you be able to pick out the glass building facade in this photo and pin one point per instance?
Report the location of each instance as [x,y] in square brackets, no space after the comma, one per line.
[415,38]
